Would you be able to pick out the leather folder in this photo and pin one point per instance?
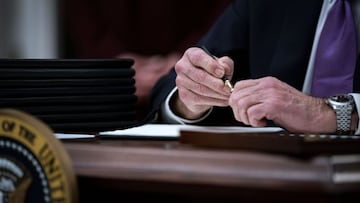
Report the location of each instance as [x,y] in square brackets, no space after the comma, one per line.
[276,142]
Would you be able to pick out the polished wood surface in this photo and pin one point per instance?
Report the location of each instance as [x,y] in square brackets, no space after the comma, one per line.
[111,170]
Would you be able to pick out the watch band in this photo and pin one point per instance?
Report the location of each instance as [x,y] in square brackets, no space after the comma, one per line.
[343,120]
[343,106]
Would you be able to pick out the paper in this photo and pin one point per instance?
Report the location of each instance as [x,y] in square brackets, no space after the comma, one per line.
[173,130]
[73,136]
[147,130]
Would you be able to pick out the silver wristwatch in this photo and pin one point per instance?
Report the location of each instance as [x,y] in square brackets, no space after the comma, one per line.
[343,105]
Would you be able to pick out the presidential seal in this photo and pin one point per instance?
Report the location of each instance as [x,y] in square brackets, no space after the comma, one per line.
[34,166]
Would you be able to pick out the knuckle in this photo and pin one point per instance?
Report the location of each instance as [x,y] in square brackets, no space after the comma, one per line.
[256,116]
[269,82]
[180,67]
[255,112]
[268,111]
[227,60]
[242,103]
[270,85]
[190,51]
[194,55]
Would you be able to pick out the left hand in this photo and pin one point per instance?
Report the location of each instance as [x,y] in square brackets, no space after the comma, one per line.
[148,70]
[254,101]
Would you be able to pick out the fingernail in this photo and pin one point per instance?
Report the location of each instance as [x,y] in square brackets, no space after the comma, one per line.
[222,63]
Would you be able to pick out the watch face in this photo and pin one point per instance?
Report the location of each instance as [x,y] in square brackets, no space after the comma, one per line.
[342,98]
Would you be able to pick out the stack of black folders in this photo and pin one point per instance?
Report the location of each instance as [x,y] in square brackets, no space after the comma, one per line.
[71,95]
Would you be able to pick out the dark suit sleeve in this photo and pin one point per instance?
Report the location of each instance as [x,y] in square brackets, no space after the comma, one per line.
[228,36]
[161,90]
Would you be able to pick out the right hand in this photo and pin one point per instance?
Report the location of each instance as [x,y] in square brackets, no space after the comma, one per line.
[199,83]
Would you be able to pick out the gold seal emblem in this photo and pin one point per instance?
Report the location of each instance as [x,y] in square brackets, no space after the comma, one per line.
[34,165]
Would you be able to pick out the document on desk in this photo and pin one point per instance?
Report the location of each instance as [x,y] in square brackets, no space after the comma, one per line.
[65,136]
[172,131]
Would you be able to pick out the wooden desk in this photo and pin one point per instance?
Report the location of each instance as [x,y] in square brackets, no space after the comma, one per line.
[125,170]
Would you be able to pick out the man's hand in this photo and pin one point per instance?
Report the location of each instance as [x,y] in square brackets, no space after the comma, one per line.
[255,101]
[148,70]
[199,83]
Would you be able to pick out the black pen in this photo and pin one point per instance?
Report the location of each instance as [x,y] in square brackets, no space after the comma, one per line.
[224,78]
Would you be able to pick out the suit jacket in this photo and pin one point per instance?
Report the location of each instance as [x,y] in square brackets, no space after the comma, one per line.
[264,38]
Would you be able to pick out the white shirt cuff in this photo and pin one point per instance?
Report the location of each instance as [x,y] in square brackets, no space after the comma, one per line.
[169,116]
[356,97]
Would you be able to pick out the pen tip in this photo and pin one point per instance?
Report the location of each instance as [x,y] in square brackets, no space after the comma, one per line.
[228,84]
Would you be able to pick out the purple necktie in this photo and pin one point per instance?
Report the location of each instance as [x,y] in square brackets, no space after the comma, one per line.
[335,59]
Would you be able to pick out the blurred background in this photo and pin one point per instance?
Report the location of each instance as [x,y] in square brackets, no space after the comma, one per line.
[154,33]
[30,29]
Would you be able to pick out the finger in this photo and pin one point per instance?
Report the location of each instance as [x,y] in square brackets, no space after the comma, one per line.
[215,84]
[246,94]
[198,57]
[241,105]
[245,84]
[239,114]
[199,75]
[199,88]
[228,66]
[193,99]
[257,115]
[211,65]
[239,100]
[270,107]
